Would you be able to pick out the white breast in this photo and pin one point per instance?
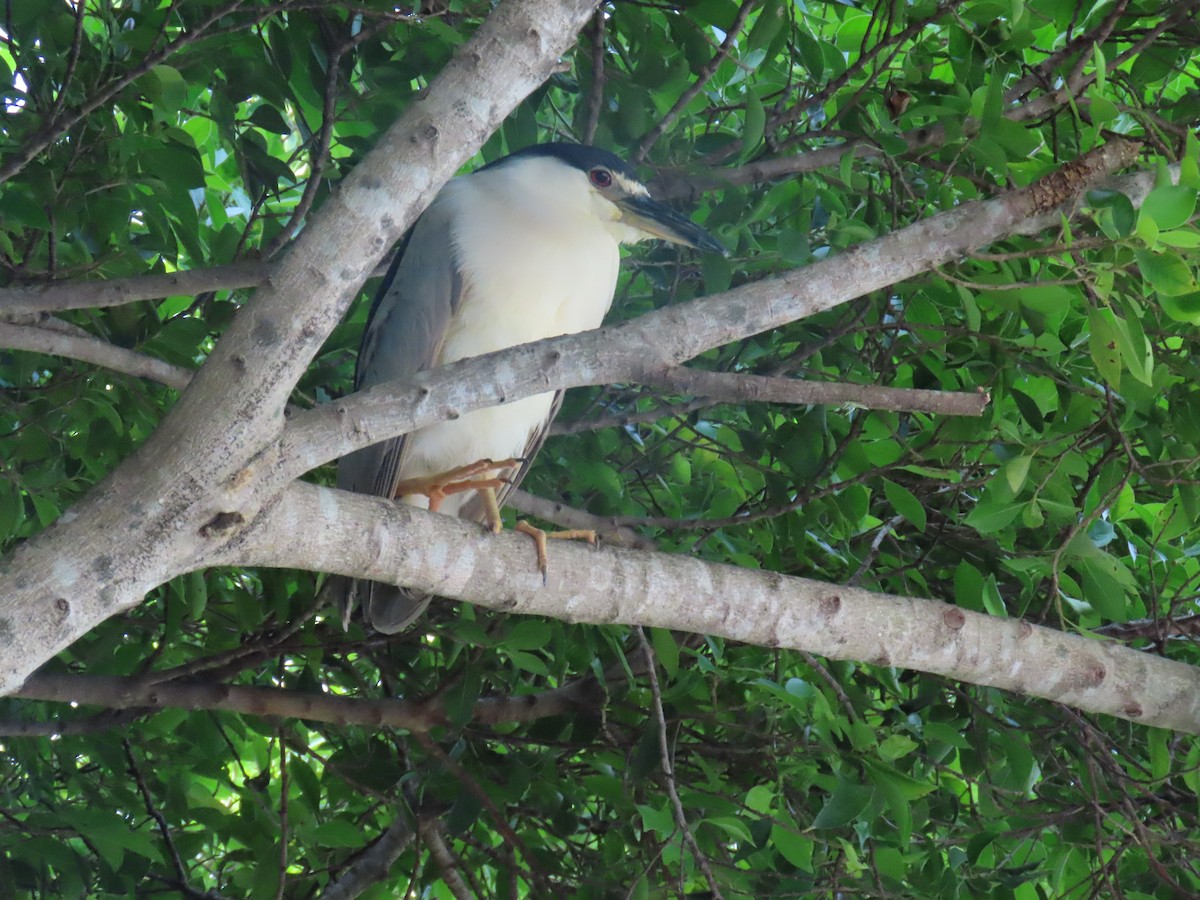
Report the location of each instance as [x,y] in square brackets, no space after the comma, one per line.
[528,275]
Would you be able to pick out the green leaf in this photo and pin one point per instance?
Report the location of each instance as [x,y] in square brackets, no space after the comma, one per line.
[968,586]
[753,126]
[794,847]
[844,805]
[1102,342]
[905,503]
[1170,206]
[528,634]
[732,826]
[1135,349]
[338,833]
[1183,308]
[895,746]
[1121,218]
[17,205]
[666,650]
[1166,272]
[1016,470]
[991,516]
[166,87]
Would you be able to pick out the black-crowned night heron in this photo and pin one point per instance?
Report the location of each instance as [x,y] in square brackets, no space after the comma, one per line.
[523,249]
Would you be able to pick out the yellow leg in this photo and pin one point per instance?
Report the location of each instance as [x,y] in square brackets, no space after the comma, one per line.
[540,537]
[438,487]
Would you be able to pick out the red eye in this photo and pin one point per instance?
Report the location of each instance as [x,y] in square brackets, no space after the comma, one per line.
[601,178]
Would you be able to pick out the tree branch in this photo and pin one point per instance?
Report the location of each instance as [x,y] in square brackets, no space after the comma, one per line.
[368,537]
[147,694]
[727,386]
[56,296]
[373,865]
[86,348]
[565,517]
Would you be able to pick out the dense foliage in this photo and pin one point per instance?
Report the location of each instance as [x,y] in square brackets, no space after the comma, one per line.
[143,137]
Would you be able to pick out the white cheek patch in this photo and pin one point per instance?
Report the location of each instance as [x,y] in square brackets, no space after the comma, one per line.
[633,188]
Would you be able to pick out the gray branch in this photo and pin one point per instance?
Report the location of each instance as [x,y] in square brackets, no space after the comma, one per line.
[320,528]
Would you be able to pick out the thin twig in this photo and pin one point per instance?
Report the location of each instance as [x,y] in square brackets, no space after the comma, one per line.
[180,871]
[669,769]
[702,78]
[595,98]
[283,814]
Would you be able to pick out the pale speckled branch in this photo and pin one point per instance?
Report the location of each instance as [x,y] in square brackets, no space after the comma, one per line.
[367,537]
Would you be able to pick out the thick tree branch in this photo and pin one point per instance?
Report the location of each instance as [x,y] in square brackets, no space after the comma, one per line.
[319,528]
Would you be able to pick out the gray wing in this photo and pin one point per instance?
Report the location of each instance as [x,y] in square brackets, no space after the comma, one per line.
[404,335]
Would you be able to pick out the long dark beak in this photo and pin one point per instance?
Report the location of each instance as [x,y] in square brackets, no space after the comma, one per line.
[659,220]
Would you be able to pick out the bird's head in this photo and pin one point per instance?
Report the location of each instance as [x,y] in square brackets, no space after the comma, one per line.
[603,185]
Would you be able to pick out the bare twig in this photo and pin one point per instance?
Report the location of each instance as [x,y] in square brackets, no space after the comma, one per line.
[181,871]
[668,769]
[702,78]
[595,100]
[731,386]
[283,815]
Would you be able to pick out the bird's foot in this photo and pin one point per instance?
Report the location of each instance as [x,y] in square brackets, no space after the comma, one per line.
[457,480]
[540,537]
